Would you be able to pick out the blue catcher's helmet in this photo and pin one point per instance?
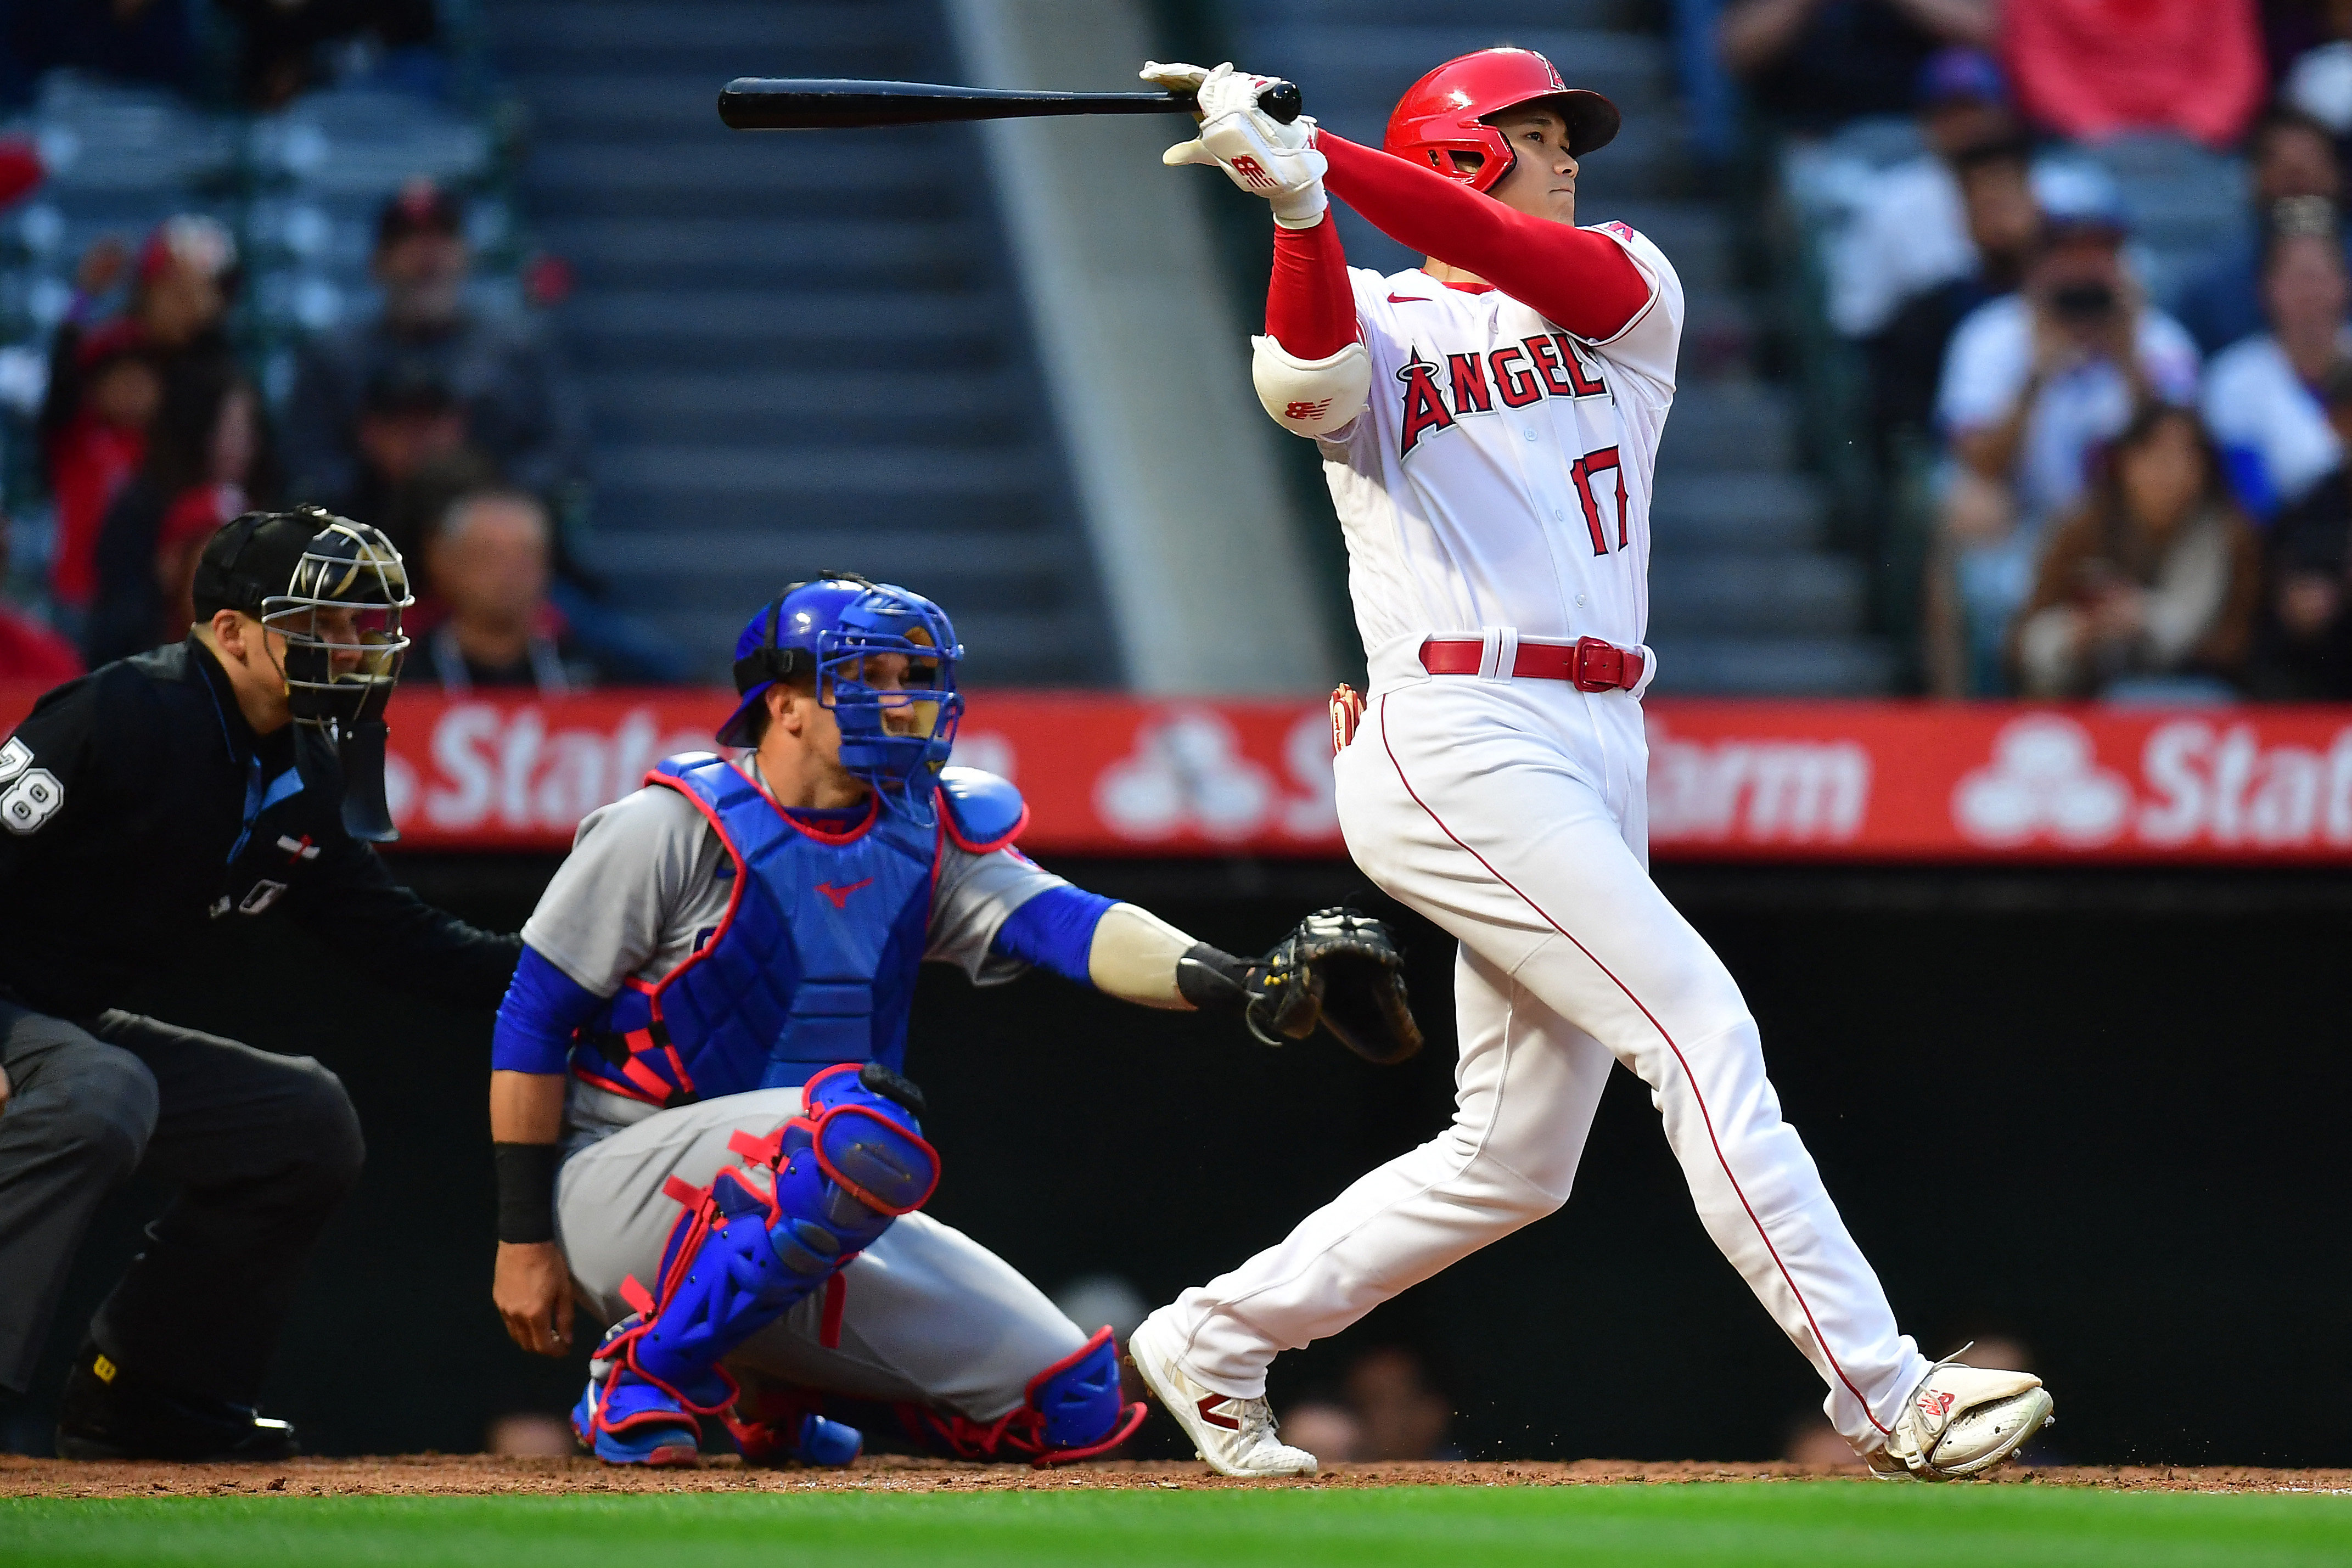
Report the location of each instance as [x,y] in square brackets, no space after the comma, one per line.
[895,740]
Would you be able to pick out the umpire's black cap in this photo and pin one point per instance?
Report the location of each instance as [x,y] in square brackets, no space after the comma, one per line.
[253,557]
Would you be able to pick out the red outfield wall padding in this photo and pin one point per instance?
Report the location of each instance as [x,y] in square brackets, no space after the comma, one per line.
[1744,780]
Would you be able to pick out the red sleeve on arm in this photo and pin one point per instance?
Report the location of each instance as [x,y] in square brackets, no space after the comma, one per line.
[1311,308]
[1582,281]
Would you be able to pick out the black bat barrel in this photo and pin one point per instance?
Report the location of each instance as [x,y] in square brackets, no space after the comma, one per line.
[815,103]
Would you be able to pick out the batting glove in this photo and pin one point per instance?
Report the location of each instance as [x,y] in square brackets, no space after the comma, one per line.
[1258,153]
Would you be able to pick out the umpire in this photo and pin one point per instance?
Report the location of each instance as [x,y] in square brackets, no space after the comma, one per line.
[238,771]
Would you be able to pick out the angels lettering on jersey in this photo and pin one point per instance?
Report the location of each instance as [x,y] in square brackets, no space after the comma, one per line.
[1547,365]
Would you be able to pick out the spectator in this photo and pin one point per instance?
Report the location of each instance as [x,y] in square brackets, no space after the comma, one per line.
[2261,401]
[409,420]
[1908,356]
[207,460]
[2303,646]
[488,564]
[97,450]
[2090,70]
[1403,1414]
[2291,156]
[519,409]
[284,43]
[2317,77]
[149,41]
[105,383]
[1910,233]
[2155,577]
[2034,382]
[28,649]
[1812,64]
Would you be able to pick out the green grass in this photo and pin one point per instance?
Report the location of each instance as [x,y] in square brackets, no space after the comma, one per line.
[1808,1525]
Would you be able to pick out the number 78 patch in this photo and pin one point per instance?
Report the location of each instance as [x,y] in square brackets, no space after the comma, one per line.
[29,796]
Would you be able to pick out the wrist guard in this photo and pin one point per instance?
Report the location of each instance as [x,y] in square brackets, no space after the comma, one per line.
[526,1191]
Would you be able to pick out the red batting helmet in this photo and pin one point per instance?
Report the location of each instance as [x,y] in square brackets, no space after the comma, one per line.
[1447,112]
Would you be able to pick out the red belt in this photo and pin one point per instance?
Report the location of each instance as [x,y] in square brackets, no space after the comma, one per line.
[1588,664]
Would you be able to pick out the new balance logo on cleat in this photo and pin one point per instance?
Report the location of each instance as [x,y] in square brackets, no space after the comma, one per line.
[1211,1415]
[1934,1402]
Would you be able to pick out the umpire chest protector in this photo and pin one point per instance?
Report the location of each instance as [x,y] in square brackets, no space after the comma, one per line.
[814,962]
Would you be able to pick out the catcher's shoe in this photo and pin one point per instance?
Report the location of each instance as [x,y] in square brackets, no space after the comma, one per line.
[111,1413]
[1960,1421]
[642,1421]
[1233,1437]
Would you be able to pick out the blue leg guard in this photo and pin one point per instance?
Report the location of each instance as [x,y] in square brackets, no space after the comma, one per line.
[1073,1411]
[743,1256]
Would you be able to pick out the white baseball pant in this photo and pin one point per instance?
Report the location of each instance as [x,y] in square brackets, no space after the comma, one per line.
[1511,813]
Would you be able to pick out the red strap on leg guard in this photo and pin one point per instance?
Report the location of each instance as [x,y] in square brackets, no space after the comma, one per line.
[768,1151]
[836,1291]
[641,1301]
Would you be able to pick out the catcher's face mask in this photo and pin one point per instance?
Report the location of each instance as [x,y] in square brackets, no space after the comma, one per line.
[340,615]
[884,659]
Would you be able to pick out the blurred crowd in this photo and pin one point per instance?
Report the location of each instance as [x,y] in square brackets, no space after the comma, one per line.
[2131,477]
[276,48]
[455,430]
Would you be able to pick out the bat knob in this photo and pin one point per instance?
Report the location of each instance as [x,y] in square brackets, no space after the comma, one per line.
[1281,103]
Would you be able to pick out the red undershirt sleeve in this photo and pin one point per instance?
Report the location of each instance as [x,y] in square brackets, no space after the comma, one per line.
[1582,280]
[1310,308]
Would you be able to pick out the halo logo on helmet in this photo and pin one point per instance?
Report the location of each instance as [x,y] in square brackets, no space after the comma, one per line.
[333,589]
[1447,112]
[895,739]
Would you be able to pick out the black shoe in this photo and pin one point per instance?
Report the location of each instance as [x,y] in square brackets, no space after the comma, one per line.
[108,1413]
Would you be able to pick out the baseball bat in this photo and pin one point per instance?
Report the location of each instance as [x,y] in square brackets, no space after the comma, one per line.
[814,104]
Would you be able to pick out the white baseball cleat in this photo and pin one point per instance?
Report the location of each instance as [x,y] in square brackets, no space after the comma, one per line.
[1233,1437]
[1962,1420]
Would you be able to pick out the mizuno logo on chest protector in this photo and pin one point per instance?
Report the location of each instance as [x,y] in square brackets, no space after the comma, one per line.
[1527,372]
[840,896]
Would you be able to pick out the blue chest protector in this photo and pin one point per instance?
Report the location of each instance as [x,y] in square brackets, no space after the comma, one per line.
[814,962]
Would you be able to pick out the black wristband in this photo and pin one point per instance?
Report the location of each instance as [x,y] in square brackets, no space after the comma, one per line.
[1213,980]
[526,1191]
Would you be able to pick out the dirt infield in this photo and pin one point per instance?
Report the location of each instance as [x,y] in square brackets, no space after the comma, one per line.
[479,1474]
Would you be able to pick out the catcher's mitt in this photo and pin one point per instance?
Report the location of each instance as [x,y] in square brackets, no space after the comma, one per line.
[1339,969]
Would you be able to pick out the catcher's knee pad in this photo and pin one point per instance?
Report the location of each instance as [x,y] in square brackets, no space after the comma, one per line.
[1073,1410]
[746,1252]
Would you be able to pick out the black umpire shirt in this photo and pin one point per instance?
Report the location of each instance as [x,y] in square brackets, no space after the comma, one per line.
[136,804]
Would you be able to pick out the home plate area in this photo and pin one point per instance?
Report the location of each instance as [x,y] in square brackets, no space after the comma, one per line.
[482,1475]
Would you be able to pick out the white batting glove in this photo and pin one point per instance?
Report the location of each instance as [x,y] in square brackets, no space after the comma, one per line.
[1174,78]
[1258,153]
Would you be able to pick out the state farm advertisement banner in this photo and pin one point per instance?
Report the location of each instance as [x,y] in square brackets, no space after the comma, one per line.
[1728,781]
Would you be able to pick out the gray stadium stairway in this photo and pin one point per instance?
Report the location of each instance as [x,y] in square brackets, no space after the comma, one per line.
[799,350]
[1745,595]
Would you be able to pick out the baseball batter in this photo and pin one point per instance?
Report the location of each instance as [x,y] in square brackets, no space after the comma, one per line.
[1489,424]
[696,1098]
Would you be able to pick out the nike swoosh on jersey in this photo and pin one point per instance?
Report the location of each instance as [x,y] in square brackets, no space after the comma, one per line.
[1411,299]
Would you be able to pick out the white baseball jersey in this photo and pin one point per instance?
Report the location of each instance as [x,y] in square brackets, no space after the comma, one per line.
[1501,475]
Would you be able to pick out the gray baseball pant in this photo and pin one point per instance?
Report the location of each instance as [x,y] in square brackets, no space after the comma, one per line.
[262,1149]
[928,1315]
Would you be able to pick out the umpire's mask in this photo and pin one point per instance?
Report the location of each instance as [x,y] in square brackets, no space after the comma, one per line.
[338,606]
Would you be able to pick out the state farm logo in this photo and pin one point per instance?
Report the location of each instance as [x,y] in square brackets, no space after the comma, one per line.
[1755,791]
[2045,778]
[497,771]
[1188,773]
[2225,787]
[2200,785]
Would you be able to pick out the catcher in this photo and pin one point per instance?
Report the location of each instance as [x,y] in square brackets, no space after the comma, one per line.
[700,1123]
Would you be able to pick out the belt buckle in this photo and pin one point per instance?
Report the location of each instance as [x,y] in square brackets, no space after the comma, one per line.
[1584,673]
